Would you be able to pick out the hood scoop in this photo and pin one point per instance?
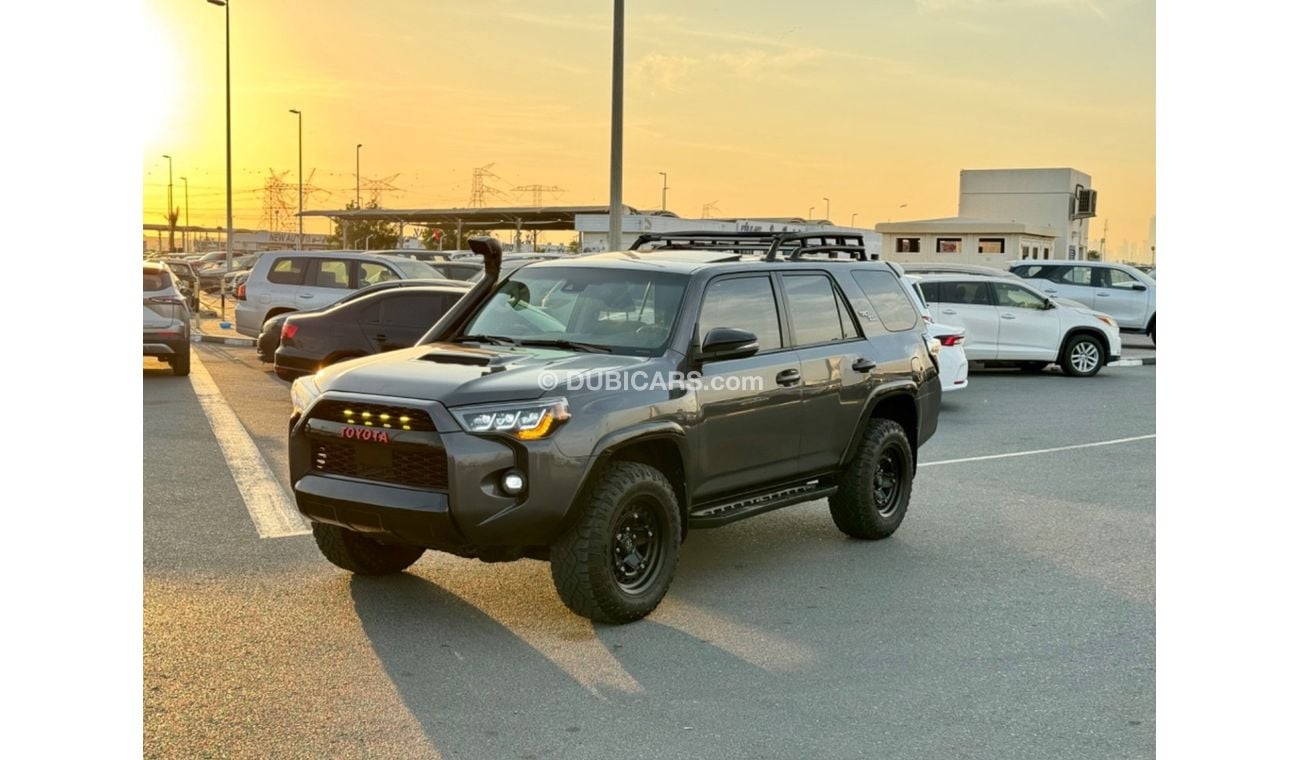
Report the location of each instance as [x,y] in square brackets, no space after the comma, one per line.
[471,358]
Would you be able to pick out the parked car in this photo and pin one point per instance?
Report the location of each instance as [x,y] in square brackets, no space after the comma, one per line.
[285,281]
[1119,290]
[166,319]
[269,339]
[919,268]
[382,321]
[1015,323]
[954,367]
[467,443]
[187,280]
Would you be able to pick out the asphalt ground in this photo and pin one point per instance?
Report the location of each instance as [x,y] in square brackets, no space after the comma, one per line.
[1011,616]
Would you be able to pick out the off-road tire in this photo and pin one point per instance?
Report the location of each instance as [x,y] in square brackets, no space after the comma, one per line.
[181,362]
[854,507]
[582,560]
[1067,356]
[356,553]
[1033,367]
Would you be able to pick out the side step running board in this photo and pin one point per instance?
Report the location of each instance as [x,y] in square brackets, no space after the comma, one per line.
[717,515]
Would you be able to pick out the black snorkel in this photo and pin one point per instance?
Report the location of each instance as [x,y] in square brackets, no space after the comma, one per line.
[490,249]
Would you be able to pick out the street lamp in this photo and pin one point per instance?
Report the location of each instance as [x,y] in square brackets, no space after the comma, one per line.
[663,201]
[358,175]
[185,233]
[616,136]
[171,226]
[853,219]
[299,114]
[828,208]
[810,212]
[230,209]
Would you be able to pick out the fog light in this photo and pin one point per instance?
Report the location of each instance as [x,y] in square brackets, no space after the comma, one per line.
[513,482]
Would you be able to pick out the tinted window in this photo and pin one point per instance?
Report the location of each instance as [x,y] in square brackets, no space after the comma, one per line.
[287,271]
[1014,296]
[156,279]
[888,299]
[414,309]
[746,303]
[968,293]
[814,316]
[931,291]
[330,273]
[370,272]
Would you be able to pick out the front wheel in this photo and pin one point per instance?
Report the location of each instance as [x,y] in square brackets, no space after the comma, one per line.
[876,486]
[364,556]
[615,563]
[1083,356]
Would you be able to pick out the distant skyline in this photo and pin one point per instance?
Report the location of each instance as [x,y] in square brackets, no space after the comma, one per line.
[761,110]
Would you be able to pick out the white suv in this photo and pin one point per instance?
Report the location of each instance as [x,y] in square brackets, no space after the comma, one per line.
[1015,323]
[286,281]
[1124,292]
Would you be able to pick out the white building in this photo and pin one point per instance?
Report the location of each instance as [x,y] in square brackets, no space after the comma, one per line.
[593,229]
[1042,197]
[959,240]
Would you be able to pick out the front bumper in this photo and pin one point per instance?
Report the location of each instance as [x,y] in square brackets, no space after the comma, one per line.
[401,490]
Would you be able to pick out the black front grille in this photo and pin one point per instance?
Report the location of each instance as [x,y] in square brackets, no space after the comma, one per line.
[410,466]
[373,415]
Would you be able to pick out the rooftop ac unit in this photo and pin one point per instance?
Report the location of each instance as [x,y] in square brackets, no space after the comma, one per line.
[1085,203]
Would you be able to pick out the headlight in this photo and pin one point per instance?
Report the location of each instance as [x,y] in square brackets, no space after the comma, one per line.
[1107,320]
[302,393]
[527,421]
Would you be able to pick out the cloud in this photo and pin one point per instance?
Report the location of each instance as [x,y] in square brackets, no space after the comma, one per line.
[665,72]
[945,6]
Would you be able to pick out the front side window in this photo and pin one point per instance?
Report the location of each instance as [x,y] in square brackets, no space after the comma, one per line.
[814,314]
[626,311]
[1118,278]
[371,272]
[745,303]
[907,245]
[1013,296]
[947,245]
[993,245]
[888,299]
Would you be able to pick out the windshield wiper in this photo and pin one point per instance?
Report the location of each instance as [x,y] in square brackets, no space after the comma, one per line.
[570,344]
[496,340]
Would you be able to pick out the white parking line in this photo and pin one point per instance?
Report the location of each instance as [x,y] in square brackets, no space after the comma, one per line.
[273,512]
[1039,451]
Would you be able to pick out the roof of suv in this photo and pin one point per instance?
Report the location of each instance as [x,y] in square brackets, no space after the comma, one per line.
[686,261]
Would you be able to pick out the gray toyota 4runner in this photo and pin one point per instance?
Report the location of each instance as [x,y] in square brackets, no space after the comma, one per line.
[592,410]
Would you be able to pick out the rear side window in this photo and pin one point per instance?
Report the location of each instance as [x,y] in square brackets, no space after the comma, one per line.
[745,303]
[814,315]
[287,271]
[966,293]
[330,273]
[1031,271]
[418,310]
[888,299]
[156,279]
[931,291]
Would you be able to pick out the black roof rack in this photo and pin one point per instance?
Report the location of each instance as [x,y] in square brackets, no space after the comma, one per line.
[773,245]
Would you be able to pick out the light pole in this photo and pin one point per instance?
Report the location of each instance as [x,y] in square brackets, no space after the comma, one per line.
[185,233]
[663,201]
[616,136]
[299,114]
[810,212]
[828,208]
[230,209]
[358,175]
[853,219]
[171,225]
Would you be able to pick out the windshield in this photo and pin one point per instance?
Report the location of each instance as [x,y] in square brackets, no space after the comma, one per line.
[625,311]
[415,270]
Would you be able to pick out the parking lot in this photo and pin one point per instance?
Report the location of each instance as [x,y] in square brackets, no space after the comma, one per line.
[1012,615]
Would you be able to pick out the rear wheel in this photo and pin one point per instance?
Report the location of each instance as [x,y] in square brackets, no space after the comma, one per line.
[181,362]
[1083,356]
[876,486]
[1151,331]
[364,556]
[615,563]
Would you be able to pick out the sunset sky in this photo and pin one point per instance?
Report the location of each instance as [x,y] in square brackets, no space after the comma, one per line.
[764,106]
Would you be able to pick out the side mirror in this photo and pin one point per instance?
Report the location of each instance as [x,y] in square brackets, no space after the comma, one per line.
[728,343]
[1138,287]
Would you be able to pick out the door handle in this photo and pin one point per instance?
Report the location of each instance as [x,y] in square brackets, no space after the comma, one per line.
[1049,290]
[306,295]
[1008,316]
[788,377]
[949,311]
[863,364]
[381,337]
[1103,295]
